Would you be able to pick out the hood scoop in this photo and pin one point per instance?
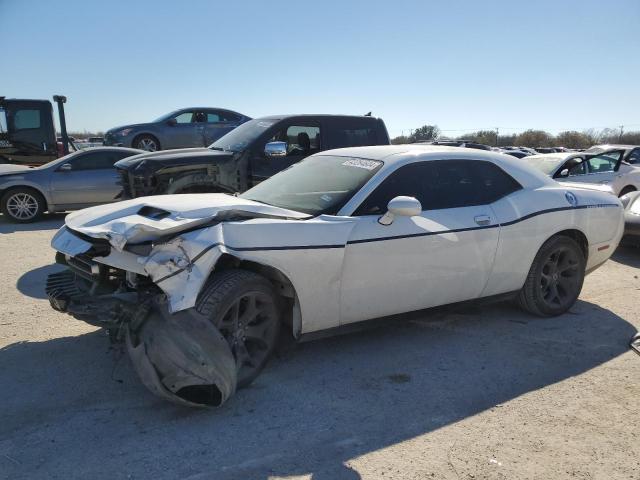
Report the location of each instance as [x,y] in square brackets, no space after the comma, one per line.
[153,212]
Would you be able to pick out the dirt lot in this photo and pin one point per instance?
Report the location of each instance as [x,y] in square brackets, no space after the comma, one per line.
[485,392]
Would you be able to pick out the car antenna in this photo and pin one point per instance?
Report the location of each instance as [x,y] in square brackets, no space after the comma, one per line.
[367,114]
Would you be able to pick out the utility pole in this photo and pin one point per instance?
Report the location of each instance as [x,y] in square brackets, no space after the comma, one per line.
[497,133]
[621,132]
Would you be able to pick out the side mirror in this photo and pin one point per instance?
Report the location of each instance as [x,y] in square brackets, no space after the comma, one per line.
[65,167]
[172,122]
[564,172]
[275,149]
[402,207]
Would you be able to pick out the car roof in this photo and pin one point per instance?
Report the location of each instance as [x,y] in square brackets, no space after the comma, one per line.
[312,115]
[395,156]
[608,146]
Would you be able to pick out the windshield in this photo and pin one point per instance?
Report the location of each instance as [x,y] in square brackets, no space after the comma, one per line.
[239,138]
[546,164]
[166,116]
[319,184]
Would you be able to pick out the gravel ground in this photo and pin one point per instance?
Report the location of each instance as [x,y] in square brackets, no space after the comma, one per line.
[483,392]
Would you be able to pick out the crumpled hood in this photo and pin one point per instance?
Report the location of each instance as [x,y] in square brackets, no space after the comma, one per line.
[149,218]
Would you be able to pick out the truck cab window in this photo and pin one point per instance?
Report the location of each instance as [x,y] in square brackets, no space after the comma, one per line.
[3,121]
[26,119]
[301,140]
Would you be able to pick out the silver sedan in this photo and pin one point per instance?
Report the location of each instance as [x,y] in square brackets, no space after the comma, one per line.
[78,180]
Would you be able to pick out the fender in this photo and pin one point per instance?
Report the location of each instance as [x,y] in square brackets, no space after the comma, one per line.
[38,188]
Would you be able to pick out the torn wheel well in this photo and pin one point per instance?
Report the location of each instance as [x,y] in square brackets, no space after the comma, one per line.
[580,239]
[281,283]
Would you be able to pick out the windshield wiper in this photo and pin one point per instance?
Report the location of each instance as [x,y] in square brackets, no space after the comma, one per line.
[216,148]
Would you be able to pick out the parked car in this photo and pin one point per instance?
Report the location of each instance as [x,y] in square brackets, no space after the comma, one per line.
[631,152]
[78,180]
[516,153]
[604,168]
[631,204]
[459,143]
[188,127]
[200,284]
[248,155]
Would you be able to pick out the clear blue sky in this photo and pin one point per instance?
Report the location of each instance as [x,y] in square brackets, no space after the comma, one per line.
[458,64]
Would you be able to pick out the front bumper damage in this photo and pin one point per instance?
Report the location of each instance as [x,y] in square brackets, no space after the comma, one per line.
[180,357]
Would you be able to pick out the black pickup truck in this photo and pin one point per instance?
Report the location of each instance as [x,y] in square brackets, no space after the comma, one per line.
[247,155]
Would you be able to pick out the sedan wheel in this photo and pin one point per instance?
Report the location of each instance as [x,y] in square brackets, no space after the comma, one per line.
[22,206]
[555,278]
[148,143]
[243,307]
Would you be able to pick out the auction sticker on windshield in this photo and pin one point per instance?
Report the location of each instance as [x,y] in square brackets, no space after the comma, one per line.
[361,163]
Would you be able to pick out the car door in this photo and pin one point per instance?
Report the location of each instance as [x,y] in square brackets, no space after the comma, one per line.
[88,178]
[602,168]
[186,130]
[218,124]
[302,138]
[445,255]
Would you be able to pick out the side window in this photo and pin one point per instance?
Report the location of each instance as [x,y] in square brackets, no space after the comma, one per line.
[96,160]
[301,140]
[3,121]
[26,119]
[407,180]
[578,169]
[442,184]
[603,163]
[354,137]
[224,117]
[633,158]
[185,117]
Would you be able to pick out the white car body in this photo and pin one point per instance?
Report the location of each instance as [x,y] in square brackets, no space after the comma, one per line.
[344,268]
[619,176]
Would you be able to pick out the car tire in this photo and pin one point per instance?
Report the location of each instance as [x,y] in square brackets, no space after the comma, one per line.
[555,279]
[22,205]
[627,189]
[146,142]
[244,307]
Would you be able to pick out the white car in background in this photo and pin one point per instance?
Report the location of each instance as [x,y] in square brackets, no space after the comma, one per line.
[597,166]
[200,284]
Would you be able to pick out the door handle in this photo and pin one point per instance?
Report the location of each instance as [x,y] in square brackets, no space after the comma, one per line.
[482,219]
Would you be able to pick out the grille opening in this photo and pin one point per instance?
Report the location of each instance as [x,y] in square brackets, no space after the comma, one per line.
[208,395]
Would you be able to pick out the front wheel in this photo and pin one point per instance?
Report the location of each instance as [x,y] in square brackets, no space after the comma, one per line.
[147,142]
[22,205]
[555,278]
[243,306]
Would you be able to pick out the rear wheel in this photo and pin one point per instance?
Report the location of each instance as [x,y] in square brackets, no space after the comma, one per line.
[243,306]
[22,205]
[555,278]
[146,142]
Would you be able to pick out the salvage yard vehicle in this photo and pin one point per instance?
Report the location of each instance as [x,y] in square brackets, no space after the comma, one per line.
[184,128]
[606,167]
[631,204]
[81,179]
[28,133]
[248,155]
[199,285]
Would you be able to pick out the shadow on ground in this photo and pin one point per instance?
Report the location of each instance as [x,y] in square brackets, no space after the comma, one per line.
[32,283]
[49,221]
[627,255]
[314,408]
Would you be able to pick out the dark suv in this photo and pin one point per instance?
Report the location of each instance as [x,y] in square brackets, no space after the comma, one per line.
[247,155]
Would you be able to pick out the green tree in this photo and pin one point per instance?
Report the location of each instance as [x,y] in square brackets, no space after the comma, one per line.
[572,139]
[425,133]
[535,138]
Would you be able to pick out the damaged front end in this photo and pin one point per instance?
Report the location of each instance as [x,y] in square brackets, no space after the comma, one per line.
[179,356]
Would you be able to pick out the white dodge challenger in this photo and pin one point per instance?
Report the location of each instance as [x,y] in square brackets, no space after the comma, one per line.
[199,285]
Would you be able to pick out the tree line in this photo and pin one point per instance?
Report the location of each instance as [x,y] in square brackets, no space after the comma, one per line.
[528,138]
